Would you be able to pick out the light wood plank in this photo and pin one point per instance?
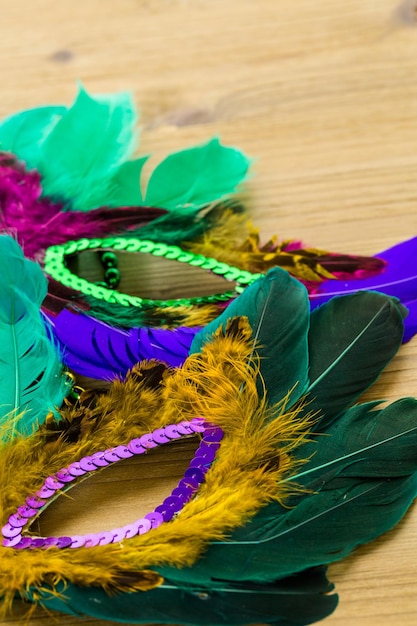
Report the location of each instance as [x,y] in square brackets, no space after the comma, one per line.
[323,95]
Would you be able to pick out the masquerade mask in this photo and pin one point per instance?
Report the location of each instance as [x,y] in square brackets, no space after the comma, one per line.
[276,499]
[75,177]
[285,477]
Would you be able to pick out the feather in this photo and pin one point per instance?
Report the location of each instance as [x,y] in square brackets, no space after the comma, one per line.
[30,366]
[97,350]
[121,316]
[276,306]
[23,133]
[234,240]
[78,149]
[180,227]
[38,222]
[399,279]
[196,177]
[360,483]
[351,339]
[302,599]
[124,187]
[85,148]
[83,154]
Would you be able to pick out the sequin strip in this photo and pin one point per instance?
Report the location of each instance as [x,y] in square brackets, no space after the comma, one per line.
[187,486]
[54,265]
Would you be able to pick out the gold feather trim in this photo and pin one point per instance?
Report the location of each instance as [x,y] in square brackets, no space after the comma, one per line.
[236,241]
[250,469]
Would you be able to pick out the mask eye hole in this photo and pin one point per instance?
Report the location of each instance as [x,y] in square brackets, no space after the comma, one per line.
[28,515]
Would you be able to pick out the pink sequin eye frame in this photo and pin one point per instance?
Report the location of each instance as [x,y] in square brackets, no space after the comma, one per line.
[171,506]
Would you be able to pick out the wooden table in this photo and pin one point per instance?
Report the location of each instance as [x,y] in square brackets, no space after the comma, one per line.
[322,94]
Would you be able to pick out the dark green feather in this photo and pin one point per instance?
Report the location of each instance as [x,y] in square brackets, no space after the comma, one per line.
[362,479]
[322,528]
[364,442]
[277,308]
[351,340]
[297,601]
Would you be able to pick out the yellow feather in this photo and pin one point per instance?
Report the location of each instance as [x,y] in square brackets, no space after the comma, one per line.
[235,241]
[252,462]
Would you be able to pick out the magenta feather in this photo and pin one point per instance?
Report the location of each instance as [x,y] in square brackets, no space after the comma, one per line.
[398,279]
[37,222]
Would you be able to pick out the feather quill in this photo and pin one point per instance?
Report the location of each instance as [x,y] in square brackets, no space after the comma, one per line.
[30,367]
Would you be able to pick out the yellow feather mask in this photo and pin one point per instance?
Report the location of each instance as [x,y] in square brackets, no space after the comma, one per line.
[219,385]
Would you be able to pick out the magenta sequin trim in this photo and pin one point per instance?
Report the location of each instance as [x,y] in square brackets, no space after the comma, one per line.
[183,492]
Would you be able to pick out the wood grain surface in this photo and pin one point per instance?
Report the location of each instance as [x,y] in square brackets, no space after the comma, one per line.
[323,95]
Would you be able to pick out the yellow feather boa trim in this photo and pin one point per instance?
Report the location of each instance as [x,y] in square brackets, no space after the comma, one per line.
[254,458]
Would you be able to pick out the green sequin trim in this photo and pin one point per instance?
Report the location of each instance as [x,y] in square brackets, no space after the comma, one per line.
[55,266]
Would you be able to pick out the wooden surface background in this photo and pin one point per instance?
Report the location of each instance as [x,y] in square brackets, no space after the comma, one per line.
[323,95]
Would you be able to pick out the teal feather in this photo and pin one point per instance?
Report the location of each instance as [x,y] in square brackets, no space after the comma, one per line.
[277,308]
[197,176]
[124,187]
[361,479]
[83,153]
[23,133]
[30,368]
[298,601]
[91,140]
[351,340]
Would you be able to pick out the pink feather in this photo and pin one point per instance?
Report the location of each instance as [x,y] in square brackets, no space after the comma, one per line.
[37,222]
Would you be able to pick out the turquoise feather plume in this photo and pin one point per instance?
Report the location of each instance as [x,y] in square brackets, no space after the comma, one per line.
[84,155]
[32,380]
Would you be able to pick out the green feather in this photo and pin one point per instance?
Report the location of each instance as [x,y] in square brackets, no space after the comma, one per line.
[277,308]
[124,185]
[197,176]
[361,480]
[92,139]
[83,154]
[23,133]
[364,442]
[351,340]
[300,600]
[30,367]
[323,528]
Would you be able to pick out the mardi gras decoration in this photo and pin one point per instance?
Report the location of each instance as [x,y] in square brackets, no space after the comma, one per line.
[69,172]
[285,480]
